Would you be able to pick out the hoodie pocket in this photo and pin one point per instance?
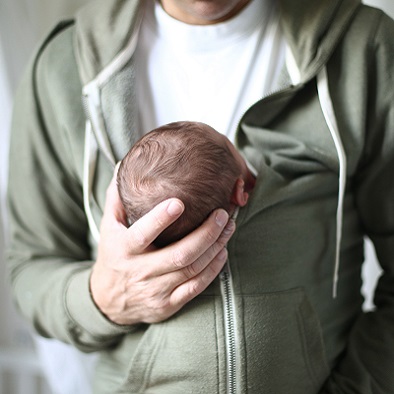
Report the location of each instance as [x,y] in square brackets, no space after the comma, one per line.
[284,351]
[180,355]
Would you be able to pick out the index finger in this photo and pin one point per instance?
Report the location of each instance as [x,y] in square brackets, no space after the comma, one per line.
[145,230]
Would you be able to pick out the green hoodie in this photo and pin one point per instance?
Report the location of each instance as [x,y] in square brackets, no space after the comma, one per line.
[323,145]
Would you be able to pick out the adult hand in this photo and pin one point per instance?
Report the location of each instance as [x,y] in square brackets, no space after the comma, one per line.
[134,282]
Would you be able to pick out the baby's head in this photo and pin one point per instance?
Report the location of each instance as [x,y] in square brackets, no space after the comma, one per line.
[187,160]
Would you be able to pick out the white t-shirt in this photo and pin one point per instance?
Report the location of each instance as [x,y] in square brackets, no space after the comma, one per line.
[210,74]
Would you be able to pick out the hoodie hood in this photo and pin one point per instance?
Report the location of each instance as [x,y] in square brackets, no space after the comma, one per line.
[103,49]
[98,44]
[312,36]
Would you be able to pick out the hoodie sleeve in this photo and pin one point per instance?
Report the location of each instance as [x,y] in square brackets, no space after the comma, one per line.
[49,256]
[368,365]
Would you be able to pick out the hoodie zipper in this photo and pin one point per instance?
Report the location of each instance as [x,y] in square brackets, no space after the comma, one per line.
[227,291]
[230,327]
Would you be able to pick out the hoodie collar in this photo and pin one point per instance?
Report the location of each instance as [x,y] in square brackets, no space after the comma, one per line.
[97,43]
[312,30]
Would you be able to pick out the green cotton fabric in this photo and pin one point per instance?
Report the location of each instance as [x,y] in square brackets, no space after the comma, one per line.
[292,335]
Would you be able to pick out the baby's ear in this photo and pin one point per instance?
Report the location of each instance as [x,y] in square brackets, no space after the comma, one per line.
[239,196]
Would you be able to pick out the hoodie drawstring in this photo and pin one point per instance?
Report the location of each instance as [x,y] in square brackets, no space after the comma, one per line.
[92,140]
[329,115]
[95,130]
[89,166]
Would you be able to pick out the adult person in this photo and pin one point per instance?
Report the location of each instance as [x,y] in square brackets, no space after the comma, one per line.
[187,160]
[304,89]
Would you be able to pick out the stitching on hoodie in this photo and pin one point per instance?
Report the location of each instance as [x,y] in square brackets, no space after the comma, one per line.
[311,368]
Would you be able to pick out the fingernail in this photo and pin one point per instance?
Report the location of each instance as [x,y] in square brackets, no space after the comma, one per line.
[221,218]
[229,229]
[174,208]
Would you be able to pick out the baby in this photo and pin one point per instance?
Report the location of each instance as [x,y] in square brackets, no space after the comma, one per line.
[187,160]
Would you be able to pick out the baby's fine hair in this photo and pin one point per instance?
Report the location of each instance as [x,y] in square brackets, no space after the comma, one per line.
[182,160]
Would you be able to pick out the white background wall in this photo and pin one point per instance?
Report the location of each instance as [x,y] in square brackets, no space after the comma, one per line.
[23,23]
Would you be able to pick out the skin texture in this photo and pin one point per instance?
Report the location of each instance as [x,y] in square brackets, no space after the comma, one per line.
[203,12]
[134,282]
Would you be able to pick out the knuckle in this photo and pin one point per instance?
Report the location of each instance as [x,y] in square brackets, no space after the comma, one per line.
[140,278]
[180,257]
[159,306]
[214,268]
[210,237]
[195,288]
[191,270]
